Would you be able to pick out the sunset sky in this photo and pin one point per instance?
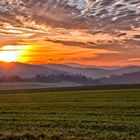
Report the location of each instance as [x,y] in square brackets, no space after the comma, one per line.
[89,32]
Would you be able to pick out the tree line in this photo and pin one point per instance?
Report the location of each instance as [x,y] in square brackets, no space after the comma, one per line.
[53,78]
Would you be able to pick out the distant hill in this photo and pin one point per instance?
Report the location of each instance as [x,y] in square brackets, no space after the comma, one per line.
[94,72]
[92,66]
[28,70]
[25,70]
[89,72]
[129,78]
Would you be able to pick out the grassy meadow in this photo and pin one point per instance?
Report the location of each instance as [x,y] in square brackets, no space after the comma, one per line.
[94,113]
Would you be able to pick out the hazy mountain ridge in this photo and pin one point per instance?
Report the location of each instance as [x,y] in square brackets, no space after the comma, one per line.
[19,72]
[28,70]
[25,70]
[96,72]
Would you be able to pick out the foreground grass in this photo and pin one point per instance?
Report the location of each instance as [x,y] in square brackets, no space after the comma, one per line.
[106,114]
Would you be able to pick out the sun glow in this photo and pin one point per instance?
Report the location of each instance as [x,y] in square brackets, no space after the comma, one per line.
[12,53]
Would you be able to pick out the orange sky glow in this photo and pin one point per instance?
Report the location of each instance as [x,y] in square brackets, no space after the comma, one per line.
[75,47]
[67,36]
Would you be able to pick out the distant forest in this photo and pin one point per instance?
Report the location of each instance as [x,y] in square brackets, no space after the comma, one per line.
[130,78]
[54,78]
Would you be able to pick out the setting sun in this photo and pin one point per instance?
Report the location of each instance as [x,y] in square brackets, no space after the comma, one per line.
[12,53]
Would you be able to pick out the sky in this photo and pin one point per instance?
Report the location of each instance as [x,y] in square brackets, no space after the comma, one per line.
[88,32]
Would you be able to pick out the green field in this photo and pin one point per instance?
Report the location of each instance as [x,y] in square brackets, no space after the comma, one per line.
[111,113]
